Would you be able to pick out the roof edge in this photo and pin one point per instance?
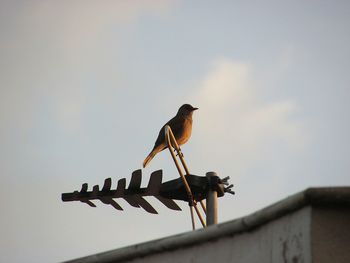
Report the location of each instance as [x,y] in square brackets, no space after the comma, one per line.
[322,196]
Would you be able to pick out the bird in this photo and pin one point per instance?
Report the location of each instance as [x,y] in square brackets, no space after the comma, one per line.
[181,126]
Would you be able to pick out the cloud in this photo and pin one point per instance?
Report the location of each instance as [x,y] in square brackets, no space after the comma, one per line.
[234,122]
[54,53]
[72,23]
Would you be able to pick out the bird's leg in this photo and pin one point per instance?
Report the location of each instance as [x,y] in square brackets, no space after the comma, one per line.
[177,153]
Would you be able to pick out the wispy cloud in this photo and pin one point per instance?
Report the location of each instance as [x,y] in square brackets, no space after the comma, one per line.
[235,123]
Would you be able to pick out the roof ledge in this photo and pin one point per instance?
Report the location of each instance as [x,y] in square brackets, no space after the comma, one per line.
[323,196]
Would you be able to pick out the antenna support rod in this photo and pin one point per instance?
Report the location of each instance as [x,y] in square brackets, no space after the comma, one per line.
[212,201]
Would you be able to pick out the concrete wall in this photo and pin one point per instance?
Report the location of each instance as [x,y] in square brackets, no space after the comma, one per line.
[310,235]
[280,241]
[312,226]
[330,235]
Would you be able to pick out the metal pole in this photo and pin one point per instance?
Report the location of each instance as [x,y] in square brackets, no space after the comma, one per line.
[182,159]
[169,137]
[212,203]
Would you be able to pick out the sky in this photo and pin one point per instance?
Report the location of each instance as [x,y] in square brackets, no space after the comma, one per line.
[85,87]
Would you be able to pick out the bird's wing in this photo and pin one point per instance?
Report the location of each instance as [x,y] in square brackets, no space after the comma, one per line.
[176,125]
[160,139]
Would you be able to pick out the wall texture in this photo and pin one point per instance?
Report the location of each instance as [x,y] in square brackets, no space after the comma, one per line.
[312,226]
[330,235]
[280,241]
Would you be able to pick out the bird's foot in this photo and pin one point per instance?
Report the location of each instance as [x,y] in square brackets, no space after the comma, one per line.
[179,152]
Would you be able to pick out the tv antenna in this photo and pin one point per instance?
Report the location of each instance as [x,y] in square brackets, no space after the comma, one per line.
[188,187]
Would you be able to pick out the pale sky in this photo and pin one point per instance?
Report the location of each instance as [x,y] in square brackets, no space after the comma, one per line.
[86,85]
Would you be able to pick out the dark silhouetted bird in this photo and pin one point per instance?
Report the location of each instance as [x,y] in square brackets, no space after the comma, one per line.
[181,125]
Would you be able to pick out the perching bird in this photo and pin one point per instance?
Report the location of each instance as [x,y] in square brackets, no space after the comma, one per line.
[181,125]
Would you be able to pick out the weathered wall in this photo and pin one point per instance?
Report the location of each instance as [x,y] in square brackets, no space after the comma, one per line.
[330,235]
[312,226]
[284,240]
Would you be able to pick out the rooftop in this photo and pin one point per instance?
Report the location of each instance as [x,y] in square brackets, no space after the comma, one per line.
[323,197]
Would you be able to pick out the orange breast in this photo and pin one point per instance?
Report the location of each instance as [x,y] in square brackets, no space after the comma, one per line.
[186,132]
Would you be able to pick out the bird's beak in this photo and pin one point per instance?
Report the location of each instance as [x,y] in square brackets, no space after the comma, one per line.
[195,109]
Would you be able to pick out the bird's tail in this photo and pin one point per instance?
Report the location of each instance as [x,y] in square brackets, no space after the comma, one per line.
[149,158]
